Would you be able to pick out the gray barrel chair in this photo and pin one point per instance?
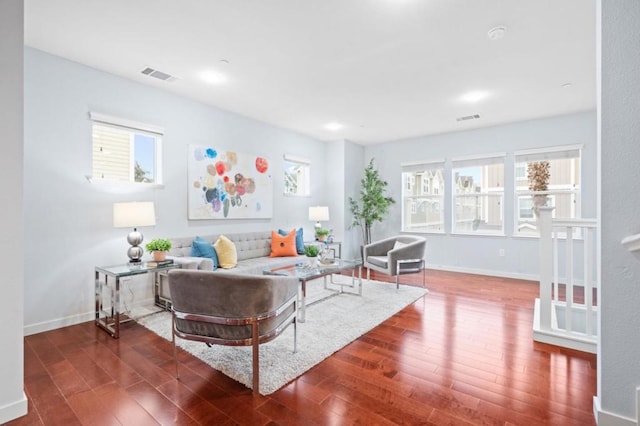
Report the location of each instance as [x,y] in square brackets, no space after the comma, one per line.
[231,309]
[394,256]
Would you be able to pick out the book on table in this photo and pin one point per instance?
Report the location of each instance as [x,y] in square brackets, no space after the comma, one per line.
[155,263]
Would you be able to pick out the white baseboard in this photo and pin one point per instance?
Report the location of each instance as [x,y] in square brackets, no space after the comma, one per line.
[502,274]
[604,418]
[41,327]
[58,323]
[14,410]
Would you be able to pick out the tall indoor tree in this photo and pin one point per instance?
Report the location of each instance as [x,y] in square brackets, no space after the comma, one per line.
[373,204]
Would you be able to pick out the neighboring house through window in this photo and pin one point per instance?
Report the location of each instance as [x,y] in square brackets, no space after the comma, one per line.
[478,193]
[423,197]
[564,191]
[125,151]
[297,176]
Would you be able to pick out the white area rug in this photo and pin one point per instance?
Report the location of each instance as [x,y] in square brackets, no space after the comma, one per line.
[330,325]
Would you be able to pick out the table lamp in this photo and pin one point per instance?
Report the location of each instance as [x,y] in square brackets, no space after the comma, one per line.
[317,214]
[134,215]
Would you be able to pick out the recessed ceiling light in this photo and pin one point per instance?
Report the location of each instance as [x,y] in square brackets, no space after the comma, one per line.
[333,126]
[225,61]
[566,85]
[474,96]
[213,77]
[496,33]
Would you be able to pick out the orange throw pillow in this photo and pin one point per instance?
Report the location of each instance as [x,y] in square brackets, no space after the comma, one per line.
[283,245]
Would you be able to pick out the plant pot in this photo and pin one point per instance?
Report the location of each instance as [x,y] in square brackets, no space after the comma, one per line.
[539,201]
[159,256]
[321,238]
[313,262]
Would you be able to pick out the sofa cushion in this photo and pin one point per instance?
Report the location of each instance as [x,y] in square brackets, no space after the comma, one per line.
[203,248]
[299,239]
[226,251]
[283,246]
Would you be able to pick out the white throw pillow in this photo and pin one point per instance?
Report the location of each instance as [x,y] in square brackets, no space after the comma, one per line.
[399,244]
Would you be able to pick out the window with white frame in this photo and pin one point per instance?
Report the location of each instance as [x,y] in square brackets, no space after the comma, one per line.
[297,176]
[564,188]
[478,194]
[125,151]
[423,197]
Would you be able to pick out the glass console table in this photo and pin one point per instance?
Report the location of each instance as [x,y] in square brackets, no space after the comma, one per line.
[108,314]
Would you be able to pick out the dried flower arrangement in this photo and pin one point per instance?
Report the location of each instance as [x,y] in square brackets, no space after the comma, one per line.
[538,175]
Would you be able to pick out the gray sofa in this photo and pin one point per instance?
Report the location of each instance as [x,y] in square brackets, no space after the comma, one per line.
[253,249]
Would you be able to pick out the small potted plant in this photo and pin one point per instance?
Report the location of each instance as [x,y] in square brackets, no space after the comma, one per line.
[159,247]
[311,251]
[321,234]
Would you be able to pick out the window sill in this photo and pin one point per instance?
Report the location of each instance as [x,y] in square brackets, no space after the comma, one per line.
[478,234]
[297,195]
[411,231]
[120,184]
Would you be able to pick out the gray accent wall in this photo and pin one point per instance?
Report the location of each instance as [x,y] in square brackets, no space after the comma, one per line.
[476,253]
[619,348]
[13,402]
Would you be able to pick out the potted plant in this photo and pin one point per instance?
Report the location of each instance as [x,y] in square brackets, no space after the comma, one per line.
[372,205]
[159,247]
[321,234]
[538,176]
[311,251]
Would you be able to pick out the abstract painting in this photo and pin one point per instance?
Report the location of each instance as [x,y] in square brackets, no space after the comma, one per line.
[225,184]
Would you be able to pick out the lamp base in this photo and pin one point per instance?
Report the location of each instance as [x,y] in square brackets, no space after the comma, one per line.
[135,252]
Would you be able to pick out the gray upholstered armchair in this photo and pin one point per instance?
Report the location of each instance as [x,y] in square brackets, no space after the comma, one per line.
[231,309]
[402,254]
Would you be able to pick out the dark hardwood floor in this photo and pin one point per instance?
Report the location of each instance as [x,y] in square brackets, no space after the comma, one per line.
[462,355]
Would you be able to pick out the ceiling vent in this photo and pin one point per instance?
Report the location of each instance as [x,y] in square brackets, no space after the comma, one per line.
[158,74]
[468,117]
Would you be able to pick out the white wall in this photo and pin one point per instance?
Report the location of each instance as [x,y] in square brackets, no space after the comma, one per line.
[480,253]
[345,167]
[69,220]
[619,349]
[353,174]
[13,402]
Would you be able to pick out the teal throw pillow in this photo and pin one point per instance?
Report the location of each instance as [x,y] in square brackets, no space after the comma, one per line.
[299,240]
[203,248]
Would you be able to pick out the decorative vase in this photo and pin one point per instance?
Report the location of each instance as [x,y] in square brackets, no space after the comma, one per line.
[539,201]
[159,256]
[313,262]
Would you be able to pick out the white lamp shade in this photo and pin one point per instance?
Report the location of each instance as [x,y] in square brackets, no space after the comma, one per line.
[134,214]
[319,213]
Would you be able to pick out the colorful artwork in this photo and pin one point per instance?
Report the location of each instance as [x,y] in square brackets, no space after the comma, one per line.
[228,185]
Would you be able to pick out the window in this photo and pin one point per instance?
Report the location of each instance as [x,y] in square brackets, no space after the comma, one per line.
[564,187]
[297,177]
[478,192]
[125,151]
[422,197]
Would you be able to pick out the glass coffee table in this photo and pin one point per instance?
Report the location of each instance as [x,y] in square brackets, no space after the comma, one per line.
[304,273]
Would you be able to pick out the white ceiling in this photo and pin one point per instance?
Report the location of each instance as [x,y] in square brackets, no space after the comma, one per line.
[385,69]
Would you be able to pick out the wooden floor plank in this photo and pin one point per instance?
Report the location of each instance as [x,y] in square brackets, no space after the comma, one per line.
[462,355]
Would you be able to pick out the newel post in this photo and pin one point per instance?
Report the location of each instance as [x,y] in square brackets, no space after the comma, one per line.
[546,265]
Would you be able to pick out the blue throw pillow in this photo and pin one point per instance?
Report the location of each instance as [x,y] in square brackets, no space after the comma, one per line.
[299,239]
[203,248]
